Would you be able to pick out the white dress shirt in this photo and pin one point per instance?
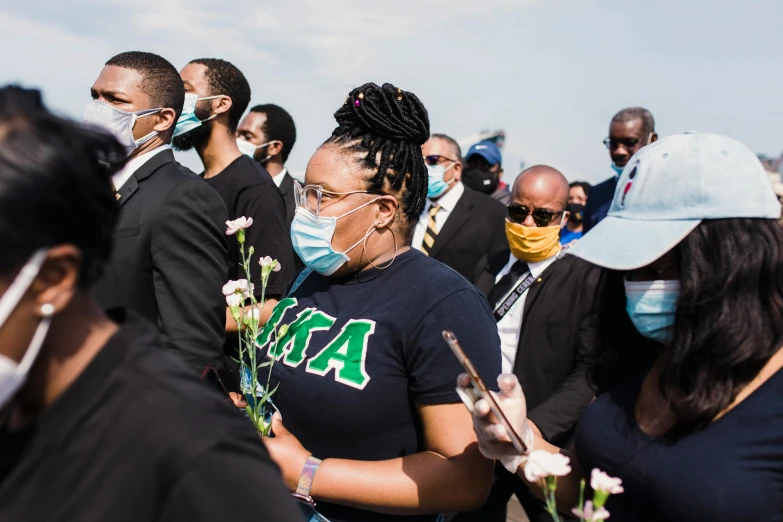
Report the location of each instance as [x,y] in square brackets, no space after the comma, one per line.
[447,203]
[278,179]
[511,323]
[121,177]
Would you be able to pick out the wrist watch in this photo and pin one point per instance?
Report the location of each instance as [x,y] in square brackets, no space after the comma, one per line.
[302,493]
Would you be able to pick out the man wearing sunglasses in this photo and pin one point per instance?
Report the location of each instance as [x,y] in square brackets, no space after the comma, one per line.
[630,130]
[543,304]
[459,225]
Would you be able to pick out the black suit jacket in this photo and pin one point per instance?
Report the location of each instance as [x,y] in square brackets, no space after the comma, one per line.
[287,189]
[169,260]
[599,203]
[474,228]
[556,337]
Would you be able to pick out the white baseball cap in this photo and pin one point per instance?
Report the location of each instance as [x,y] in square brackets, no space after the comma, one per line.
[667,189]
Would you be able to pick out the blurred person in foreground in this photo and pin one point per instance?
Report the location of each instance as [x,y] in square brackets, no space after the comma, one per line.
[578,194]
[629,131]
[98,421]
[688,359]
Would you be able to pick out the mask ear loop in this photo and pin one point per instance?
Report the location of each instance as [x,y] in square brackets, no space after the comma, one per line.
[374,228]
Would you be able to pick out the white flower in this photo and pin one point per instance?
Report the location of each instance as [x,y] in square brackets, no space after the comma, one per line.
[268,261]
[590,515]
[600,481]
[240,286]
[238,224]
[541,464]
[234,300]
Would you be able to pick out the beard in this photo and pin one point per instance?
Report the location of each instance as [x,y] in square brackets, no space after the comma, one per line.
[197,137]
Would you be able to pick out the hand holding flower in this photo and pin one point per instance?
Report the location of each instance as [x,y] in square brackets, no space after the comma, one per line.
[287,452]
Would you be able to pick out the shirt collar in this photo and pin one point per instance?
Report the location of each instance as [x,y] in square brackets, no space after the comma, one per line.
[449,200]
[278,178]
[535,267]
[121,177]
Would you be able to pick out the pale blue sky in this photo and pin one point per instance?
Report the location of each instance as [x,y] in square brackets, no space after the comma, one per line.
[550,72]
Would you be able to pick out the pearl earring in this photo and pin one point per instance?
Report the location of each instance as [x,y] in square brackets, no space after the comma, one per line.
[47,310]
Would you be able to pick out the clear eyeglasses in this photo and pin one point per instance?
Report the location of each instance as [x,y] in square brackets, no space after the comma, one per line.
[310,197]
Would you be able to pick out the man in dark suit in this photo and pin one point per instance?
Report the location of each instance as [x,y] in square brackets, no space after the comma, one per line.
[544,306]
[169,261]
[630,130]
[272,132]
[458,226]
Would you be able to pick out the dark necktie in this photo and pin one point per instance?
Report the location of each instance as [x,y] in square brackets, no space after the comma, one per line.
[507,282]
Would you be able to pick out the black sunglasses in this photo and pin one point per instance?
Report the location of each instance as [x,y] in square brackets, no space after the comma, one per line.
[434,159]
[541,216]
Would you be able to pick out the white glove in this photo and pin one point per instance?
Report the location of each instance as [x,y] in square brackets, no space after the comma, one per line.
[493,441]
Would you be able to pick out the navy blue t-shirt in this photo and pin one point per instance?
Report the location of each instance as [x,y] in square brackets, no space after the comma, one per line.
[730,471]
[361,352]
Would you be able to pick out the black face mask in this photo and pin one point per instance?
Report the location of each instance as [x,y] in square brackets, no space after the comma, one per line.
[577,212]
[481,180]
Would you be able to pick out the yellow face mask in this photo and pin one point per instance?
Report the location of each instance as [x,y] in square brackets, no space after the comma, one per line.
[532,244]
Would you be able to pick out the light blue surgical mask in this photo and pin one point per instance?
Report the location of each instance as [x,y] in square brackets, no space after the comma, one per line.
[617,169]
[436,186]
[311,236]
[187,119]
[651,305]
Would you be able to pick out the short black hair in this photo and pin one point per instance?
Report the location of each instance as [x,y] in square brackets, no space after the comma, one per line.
[637,113]
[53,180]
[387,127]
[161,80]
[585,186]
[224,78]
[279,125]
[455,148]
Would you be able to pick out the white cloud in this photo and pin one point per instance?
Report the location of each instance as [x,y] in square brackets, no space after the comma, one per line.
[551,73]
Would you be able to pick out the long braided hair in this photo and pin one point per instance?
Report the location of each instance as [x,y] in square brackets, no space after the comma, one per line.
[387,126]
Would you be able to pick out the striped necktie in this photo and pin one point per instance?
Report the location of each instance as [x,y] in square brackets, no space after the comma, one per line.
[432,231]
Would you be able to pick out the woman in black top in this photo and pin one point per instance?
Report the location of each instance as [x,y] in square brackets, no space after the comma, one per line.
[366,382]
[99,418]
[687,369]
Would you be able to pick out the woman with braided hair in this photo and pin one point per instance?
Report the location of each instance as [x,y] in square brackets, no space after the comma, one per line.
[373,428]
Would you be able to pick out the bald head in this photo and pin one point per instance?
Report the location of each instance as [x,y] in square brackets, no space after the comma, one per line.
[543,184]
[541,187]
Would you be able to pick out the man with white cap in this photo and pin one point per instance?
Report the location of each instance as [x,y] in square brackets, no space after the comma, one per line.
[688,366]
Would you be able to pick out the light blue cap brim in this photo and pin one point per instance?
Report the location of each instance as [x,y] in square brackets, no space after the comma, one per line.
[626,244]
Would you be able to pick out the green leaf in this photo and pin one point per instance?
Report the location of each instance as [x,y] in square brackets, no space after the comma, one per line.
[268,394]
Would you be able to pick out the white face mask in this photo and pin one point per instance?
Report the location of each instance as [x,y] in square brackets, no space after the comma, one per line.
[13,374]
[248,149]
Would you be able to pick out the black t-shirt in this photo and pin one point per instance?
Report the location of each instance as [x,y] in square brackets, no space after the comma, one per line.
[730,471]
[137,437]
[361,352]
[248,190]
